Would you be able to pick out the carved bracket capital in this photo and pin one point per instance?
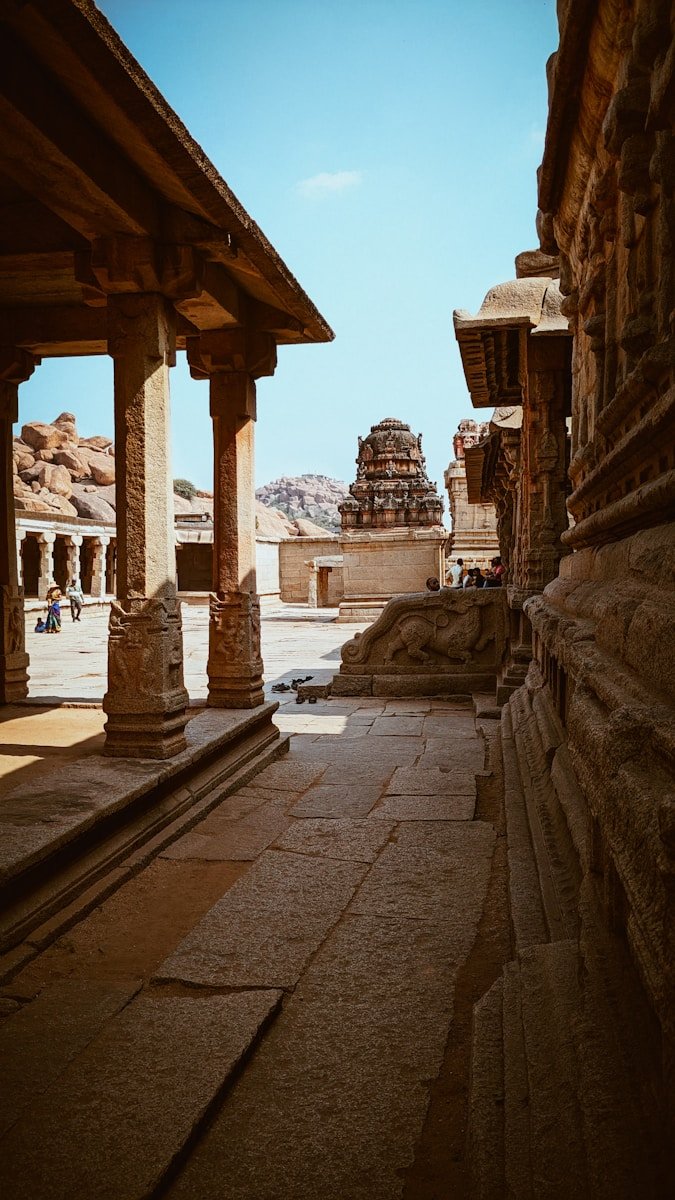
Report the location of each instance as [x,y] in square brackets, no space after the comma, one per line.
[219,351]
[141,321]
[119,265]
[16,366]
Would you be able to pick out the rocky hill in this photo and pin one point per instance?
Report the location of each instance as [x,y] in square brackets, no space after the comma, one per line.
[57,471]
[306,498]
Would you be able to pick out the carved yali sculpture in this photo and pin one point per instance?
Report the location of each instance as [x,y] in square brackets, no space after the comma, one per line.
[441,633]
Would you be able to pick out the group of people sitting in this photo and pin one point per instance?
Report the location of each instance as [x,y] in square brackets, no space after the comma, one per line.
[458,577]
[51,623]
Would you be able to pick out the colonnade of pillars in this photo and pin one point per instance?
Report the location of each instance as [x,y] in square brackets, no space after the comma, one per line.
[146,701]
[99,577]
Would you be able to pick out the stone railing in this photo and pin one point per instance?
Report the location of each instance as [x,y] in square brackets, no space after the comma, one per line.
[427,644]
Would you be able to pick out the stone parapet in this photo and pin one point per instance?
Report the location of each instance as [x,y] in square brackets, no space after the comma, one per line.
[427,644]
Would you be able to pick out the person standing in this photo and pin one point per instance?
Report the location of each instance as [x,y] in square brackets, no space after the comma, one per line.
[74,594]
[455,573]
[53,622]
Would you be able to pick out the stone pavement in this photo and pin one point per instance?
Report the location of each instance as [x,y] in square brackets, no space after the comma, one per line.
[275,1008]
[70,668]
[72,665]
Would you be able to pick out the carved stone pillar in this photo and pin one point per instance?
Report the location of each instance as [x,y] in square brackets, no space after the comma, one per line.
[544,461]
[15,366]
[46,576]
[73,551]
[232,360]
[99,583]
[146,701]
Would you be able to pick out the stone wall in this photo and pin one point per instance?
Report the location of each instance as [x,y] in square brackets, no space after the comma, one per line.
[294,555]
[267,567]
[603,629]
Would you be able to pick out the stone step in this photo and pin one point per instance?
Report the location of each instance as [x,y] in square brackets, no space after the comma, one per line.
[527,912]
[486,1097]
[555,856]
[555,1111]
[549,999]
[517,1166]
[100,823]
[124,1111]
[622,1123]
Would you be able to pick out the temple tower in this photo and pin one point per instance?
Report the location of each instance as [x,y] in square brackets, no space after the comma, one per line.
[392,533]
[474,526]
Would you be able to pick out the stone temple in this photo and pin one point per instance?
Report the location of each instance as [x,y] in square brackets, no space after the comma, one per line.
[392,534]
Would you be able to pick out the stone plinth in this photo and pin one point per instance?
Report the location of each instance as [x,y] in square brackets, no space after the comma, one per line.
[379,565]
[434,643]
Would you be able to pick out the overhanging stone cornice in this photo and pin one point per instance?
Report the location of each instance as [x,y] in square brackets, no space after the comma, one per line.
[493,343]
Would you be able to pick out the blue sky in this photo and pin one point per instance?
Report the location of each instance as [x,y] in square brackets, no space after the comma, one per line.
[388,149]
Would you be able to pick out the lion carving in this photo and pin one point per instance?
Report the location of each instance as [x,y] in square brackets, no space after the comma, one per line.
[453,635]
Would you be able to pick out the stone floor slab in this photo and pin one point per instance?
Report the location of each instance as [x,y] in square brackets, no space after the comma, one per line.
[218,840]
[415,781]
[449,724]
[245,800]
[466,755]
[429,872]
[411,705]
[396,726]
[363,750]
[267,925]
[112,1126]
[424,808]
[289,775]
[39,1041]
[353,840]
[352,799]
[335,1100]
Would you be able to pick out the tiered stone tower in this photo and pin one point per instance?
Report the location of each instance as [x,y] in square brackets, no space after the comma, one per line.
[391,489]
[392,537]
[474,525]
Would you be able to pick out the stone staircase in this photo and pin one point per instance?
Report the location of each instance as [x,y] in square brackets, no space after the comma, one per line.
[561,1103]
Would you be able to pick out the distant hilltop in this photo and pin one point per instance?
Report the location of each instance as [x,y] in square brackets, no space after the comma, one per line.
[304,498]
[57,471]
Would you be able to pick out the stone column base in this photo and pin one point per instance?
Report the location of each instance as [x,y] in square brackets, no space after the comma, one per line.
[13,659]
[146,701]
[235,665]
